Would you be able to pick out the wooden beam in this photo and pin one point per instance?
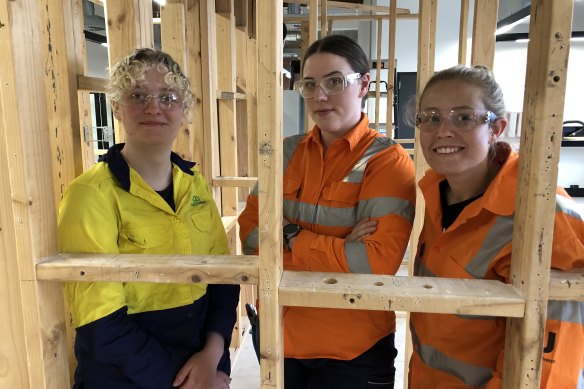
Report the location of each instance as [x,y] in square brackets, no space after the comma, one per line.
[353,6]
[179,269]
[173,34]
[234,182]
[567,285]
[541,133]
[300,19]
[91,84]
[323,18]
[391,69]
[312,22]
[389,293]
[197,124]
[483,32]
[379,25]
[33,335]
[251,90]
[463,32]
[269,149]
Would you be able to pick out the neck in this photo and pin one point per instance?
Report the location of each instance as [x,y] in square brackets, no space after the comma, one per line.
[470,184]
[153,165]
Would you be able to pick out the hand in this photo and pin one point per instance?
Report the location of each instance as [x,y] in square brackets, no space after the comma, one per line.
[200,370]
[197,373]
[361,230]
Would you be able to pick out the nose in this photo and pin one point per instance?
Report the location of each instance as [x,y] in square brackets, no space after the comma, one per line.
[320,94]
[444,128]
[152,105]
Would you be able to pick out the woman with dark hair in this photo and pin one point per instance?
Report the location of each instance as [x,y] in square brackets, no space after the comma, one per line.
[470,204]
[349,197]
[141,198]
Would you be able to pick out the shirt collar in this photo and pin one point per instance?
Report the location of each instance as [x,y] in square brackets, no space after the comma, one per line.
[121,170]
[352,137]
[499,197]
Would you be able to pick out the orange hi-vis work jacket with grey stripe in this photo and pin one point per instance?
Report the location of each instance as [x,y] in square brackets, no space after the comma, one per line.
[361,175]
[458,351]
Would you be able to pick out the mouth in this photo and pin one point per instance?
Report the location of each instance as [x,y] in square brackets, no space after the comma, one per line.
[152,123]
[323,111]
[448,150]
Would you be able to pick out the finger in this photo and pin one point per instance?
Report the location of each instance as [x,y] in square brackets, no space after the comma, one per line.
[180,377]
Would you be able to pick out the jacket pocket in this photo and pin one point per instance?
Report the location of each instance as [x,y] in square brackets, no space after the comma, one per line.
[342,193]
[202,217]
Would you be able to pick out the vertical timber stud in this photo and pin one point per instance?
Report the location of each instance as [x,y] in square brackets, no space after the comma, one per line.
[226,107]
[251,89]
[128,27]
[427,12]
[378,72]
[209,89]
[463,32]
[195,73]
[483,32]
[323,18]
[270,191]
[36,333]
[391,70]
[543,109]
[174,41]
[312,22]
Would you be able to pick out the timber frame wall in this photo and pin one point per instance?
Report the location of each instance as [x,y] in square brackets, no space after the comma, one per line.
[43,104]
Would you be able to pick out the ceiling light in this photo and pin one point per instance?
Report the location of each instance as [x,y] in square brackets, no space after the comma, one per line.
[508,27]
[162,3]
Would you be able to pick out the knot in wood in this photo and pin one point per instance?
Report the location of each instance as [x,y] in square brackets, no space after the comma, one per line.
[265,148]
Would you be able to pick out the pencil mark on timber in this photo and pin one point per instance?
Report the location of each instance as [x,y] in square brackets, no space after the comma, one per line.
[2,24]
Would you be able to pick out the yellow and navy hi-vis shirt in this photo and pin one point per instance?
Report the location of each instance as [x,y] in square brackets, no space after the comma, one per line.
[140,327]
[362,175]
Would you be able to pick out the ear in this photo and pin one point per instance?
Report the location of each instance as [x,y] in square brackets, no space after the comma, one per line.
[498,127]
[364,84]
[116,110]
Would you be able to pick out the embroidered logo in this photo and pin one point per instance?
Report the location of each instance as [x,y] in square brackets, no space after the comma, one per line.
[197,201]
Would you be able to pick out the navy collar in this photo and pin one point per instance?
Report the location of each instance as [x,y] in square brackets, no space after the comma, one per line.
[120,169]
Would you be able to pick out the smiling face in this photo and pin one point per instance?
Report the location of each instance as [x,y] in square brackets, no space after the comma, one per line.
[335,115]
[149,125]
[450,150]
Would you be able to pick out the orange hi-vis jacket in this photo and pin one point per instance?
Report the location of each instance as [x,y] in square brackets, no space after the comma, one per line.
[362,175]
[458,351]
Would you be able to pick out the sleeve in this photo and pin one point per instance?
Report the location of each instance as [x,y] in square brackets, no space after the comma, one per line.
[563,352]
[88,224]
[387,195]
[248,224]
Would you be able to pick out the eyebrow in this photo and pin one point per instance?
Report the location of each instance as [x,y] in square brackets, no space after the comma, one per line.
[326,75]
[458,107]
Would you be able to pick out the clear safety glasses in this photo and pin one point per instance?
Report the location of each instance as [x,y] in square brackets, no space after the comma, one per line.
[462,118]
[166,100]
[331,85]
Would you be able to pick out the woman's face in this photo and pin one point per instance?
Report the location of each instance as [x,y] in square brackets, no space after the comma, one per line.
[449,149]
[335,115]
[148,123]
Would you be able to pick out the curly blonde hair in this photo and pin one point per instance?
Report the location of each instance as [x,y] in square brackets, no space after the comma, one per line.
[130,70]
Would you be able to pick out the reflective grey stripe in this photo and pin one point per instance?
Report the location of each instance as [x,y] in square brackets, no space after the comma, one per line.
[382,206]
[357,258]
[290,145]
[581,380]
[569,207]
[251,242]
[570,311]
[347,217]
[472,375]
[378,144]
[498,237]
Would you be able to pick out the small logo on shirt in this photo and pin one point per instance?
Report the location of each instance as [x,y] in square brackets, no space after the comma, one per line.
[197,201]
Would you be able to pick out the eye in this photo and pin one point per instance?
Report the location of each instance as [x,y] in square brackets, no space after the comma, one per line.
[309,85]
[168,98]
[463,116]
[334,81]
[137,98]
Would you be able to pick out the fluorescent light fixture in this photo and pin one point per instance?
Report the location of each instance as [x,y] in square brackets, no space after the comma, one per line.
[156,20]
[577,39]
[104,44]
[287,73]
[522,40]
[162,3]
[509,27]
